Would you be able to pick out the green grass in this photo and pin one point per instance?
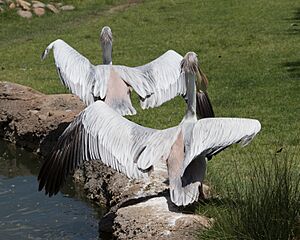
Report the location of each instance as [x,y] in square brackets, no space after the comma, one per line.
[248,49]
[264,205]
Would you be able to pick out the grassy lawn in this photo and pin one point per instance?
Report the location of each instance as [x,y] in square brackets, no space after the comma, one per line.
[248,49]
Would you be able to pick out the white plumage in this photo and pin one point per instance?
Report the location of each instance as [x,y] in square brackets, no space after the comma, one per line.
[155,82]
[88,81]
[100,133]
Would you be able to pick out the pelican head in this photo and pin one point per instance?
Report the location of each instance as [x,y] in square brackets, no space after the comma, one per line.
[106,35]
[106,40]
[190,64]
[196,85]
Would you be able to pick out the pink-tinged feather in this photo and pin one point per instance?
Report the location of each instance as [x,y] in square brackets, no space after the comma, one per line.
[118,94]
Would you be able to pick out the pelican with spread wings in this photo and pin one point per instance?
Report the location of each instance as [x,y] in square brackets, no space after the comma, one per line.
[100,133]
[155,82]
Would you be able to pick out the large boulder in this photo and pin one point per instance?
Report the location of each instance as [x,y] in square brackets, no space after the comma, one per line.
[34,120]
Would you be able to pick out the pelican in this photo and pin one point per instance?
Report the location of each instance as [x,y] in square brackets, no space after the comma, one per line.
[100,133]
[155,82]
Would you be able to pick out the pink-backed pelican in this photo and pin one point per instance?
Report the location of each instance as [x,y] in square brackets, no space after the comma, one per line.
[155,82]
[100,133]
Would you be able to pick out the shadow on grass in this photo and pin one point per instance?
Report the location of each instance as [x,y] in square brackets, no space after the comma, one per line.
[293,68]
[295,23]
[296,14]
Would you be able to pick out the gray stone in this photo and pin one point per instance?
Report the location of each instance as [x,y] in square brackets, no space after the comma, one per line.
[157,218]
[37,4]
[24,14]
[67,8]
[22,111]
[24,4]
[52,8]
[39,11]
[12,5]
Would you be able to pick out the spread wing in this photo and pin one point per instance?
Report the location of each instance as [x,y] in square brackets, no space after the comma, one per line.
[205,138]
[212,135]
[99,133]
[77,73]
[88,81]
[164,79]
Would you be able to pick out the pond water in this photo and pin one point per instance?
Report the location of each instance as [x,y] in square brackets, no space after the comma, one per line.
[26,213]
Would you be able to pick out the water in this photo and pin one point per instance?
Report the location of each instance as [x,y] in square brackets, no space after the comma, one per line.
[26,213]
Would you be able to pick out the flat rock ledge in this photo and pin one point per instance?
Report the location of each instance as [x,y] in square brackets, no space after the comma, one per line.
[33,120]
[137,209]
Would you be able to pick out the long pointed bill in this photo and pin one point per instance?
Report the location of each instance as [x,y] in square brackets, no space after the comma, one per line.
[204,108]
[201,81]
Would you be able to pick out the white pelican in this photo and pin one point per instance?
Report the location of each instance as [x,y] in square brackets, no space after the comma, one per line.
[155,82]
[100,133]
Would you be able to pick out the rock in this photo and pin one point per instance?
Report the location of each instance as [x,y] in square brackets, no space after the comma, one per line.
[104,185]
[115,189]
[1,2]
[58,4]
[12,5]
[67,8]
[43,117]
[39,11]
[52,8]
[33,112]
[25,5]
[156,218]
[37,4]
[24,14]
[22,111]
[1,10]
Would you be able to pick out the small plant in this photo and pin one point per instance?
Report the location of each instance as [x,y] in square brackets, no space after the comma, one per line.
[266,205]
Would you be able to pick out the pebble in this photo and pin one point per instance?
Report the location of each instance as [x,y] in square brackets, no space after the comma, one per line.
[39,11]
[42,117]
[52,8]
[24,14]
[67,8]
[39,5]
[12,5]
[33,111]
[26,8]
[25,5]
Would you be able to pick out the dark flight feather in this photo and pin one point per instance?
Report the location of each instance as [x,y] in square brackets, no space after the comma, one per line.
[204,108]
